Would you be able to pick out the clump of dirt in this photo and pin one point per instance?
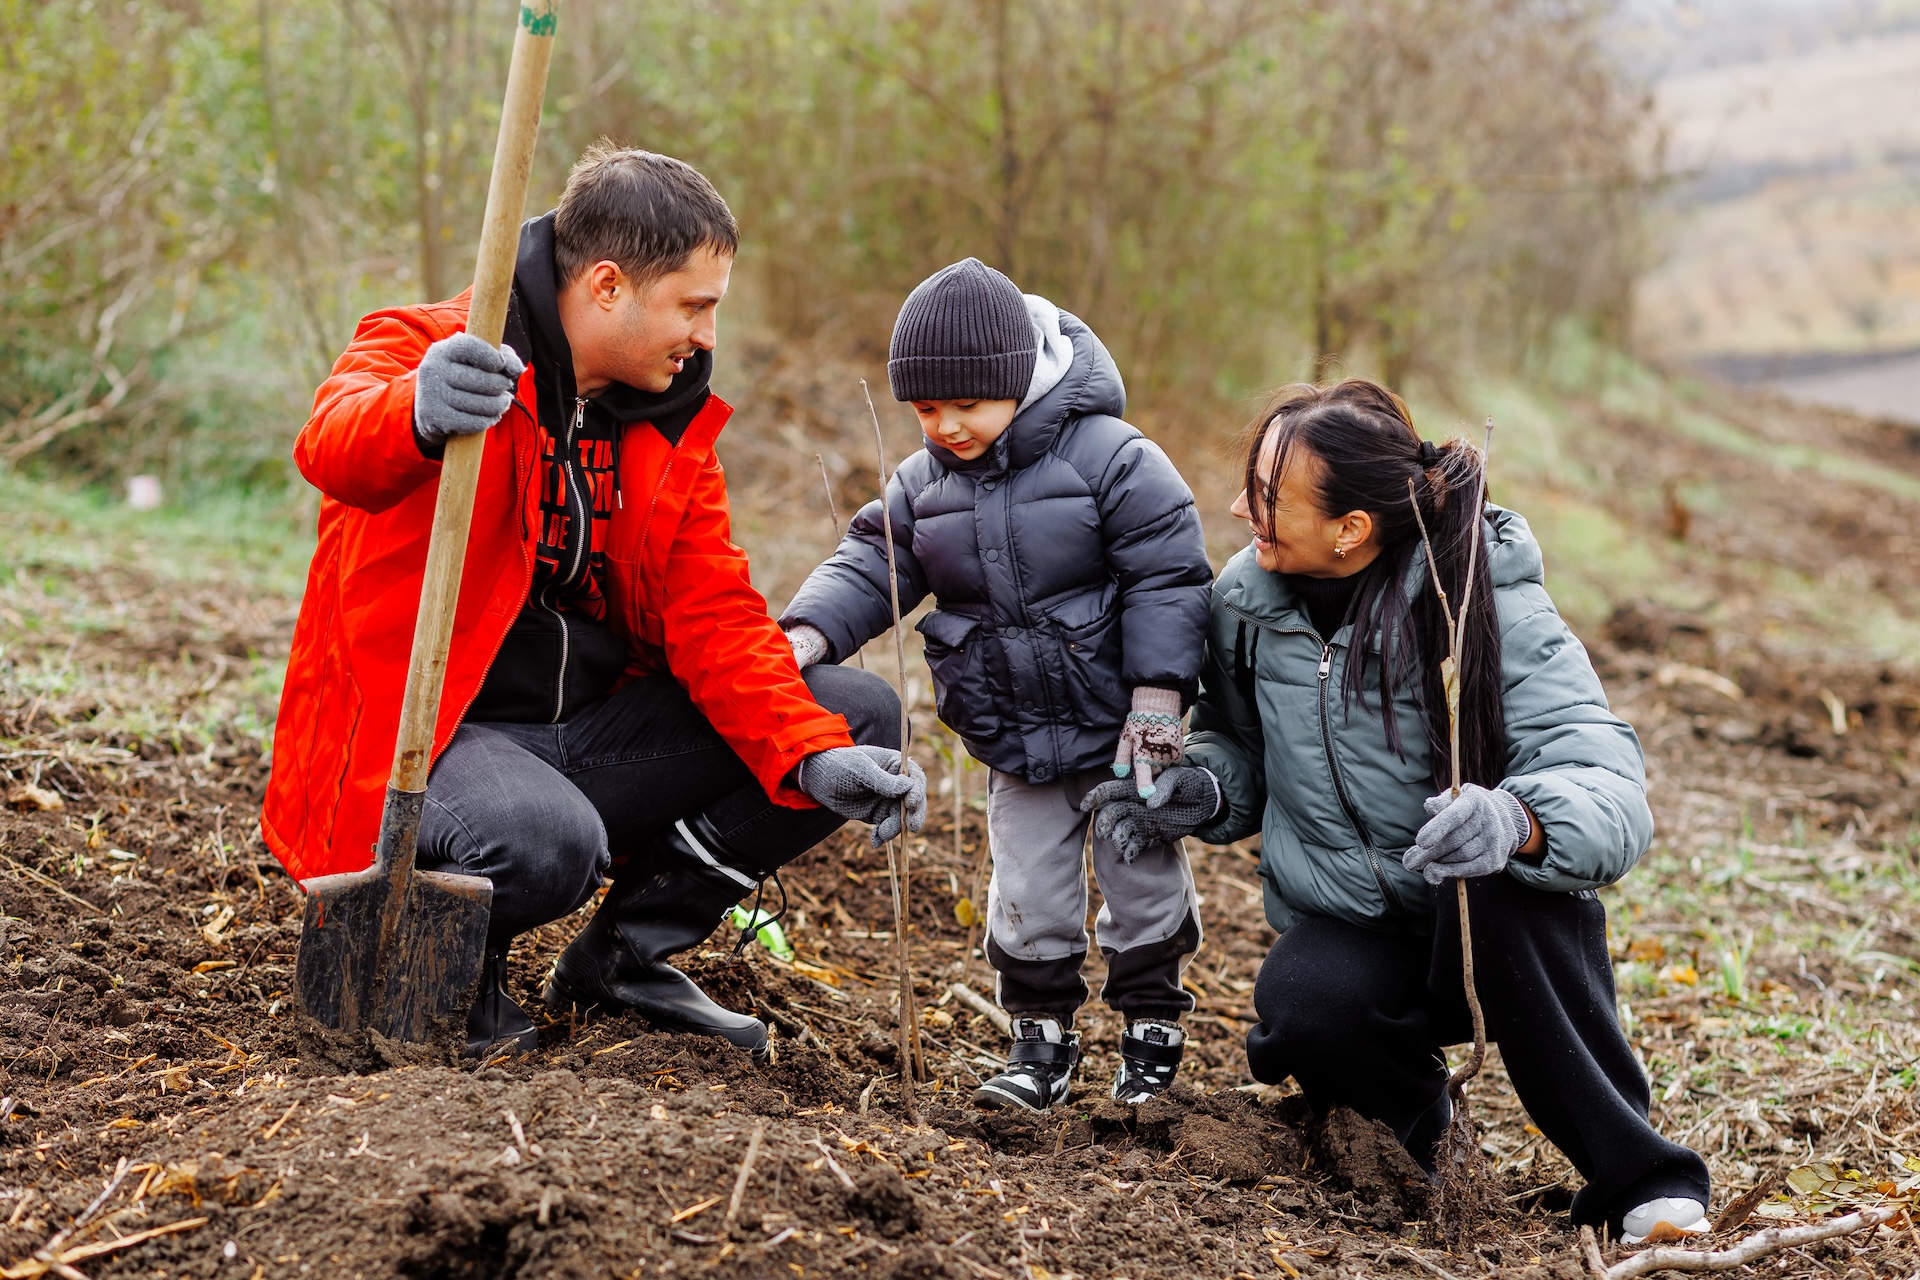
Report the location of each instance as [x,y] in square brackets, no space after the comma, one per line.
[1362,1156]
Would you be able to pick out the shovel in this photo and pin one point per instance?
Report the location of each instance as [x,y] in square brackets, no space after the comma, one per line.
[393,949]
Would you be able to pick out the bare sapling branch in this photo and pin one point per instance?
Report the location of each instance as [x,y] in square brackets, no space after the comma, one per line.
[1463,1194]
[833,516]
[898,867]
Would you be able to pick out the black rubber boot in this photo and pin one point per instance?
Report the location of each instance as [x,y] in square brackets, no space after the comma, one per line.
[496,1024]
[668,901]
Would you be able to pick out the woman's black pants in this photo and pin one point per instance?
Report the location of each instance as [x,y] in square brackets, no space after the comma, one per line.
[1358,1017]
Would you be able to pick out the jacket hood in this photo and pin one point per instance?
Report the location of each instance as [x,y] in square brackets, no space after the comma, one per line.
[535,333]
[1091,385]
[1513,559]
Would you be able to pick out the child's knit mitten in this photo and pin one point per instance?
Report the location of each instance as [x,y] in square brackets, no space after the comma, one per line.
[1150,738]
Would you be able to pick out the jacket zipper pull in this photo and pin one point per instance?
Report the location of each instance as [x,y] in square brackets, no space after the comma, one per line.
[1326,661]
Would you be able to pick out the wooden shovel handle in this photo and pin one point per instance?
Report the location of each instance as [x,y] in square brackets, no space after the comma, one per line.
[460,471]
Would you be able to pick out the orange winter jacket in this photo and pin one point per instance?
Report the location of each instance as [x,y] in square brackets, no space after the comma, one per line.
[676,586]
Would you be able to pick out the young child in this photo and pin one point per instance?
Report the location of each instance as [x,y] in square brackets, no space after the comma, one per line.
[1065,558]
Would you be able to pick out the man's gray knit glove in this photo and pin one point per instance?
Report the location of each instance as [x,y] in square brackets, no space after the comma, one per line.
[1150,738]
[463,386]
[1473,834]
[1185,797]
[809,644]
[864,783]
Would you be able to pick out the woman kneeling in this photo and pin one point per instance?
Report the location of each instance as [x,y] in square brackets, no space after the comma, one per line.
[1322,724]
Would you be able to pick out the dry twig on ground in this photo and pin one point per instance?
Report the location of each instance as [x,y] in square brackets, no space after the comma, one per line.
[1758,1245]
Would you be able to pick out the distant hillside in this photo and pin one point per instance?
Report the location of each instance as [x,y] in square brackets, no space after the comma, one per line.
[1794,219]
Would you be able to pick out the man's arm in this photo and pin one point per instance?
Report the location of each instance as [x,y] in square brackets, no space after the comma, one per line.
[732,659]
[382,420]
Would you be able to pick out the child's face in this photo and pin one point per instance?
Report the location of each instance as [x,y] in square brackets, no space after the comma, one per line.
[967,428]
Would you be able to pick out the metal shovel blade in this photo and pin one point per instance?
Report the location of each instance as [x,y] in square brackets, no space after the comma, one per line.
[391,949]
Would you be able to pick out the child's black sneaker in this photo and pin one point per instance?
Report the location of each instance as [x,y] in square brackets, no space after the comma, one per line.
[1149,1055]
[1039,1068]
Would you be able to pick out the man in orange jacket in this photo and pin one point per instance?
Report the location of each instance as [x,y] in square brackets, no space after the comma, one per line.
[616,699]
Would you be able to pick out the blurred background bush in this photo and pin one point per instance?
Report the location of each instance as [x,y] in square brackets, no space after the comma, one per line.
[200,197]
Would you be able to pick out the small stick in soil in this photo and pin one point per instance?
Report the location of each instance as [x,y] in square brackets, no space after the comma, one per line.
[1758,1245]
[834,1165]
[984,1007]
[1465,1195]
[1590,1253]
[898,867]
[746,1172]
[833,514]
[284,1117]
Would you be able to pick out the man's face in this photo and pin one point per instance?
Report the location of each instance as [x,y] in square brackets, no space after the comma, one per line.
[642,336]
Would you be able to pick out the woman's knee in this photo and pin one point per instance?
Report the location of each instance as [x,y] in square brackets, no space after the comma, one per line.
[867,702]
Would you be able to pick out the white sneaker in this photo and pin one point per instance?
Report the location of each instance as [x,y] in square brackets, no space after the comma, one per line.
[1039,1068]
[1688,1217]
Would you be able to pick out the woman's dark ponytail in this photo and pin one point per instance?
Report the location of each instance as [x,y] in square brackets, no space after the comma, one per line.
[1363,438]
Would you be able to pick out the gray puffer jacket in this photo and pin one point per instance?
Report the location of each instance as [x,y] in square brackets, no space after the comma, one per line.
[1336,807]
[1068,567]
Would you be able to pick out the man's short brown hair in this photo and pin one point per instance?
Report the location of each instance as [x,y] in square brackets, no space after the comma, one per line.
[648,213]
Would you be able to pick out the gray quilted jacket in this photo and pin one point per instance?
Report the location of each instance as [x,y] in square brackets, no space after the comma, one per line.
[1336,808]
[1067,566]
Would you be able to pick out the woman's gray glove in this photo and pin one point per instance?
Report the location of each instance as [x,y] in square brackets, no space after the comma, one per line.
[463,386]
[865,783]
[1473,834]
[1183,797]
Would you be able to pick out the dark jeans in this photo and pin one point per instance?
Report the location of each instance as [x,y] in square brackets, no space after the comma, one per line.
[544,809]
[1359,1018]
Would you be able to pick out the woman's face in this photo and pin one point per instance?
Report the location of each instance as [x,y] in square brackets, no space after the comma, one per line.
[1296,536]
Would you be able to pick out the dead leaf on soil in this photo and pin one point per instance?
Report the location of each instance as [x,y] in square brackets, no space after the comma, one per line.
[31,799]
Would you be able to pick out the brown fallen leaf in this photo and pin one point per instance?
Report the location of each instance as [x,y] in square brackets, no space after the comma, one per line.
[31,799]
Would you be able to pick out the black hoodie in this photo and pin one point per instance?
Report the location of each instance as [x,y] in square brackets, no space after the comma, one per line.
[560,654]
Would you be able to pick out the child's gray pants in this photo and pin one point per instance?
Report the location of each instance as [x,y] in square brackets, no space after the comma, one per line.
[1148,926]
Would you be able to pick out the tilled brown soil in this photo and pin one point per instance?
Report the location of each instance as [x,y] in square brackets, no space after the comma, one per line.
[145,1019]
[148,1043]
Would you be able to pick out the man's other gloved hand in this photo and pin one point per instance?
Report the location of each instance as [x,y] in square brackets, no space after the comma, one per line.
[1185,797]
[865,783]
[809,644]
[1150,738]
[463,386]
[1473,834]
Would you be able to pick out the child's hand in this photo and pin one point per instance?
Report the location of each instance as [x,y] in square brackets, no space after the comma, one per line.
[809,644]
[1150,738]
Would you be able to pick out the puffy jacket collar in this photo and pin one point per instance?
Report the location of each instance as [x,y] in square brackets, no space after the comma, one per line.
[536,335]
[1513,558]
[1092,385]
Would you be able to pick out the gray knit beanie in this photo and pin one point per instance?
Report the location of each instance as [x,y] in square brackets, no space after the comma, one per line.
[963,334]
